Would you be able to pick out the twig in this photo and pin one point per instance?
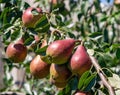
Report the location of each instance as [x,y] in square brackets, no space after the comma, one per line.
[101,75]
[12,93]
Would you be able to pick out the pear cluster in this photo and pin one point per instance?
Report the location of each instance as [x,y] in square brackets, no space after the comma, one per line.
[63,58]
[61,62]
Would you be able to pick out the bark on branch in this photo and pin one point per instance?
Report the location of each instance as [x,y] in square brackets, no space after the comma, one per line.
[102,76]
[11,93]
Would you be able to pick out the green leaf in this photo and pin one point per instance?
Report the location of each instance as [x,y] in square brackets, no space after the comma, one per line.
[41,51]
[6,36]
[80,16]
[35,12]
[4,15]
[95,34]
[104,18]
[107,57]
[71,35]
[89,83]
[15,34]
[43,29]
[47,59]
[59,21]
[114,46]
[42,25]
[42,21]
[7,25]
[29,40]
[82,79]
[118,53]
[9,62]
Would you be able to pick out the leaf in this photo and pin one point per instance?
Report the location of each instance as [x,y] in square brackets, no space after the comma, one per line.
[43,29]
[6,36]
[71,35]
[82,79]
[117,92]
[90,51]
[104,18]
[114,81]
[9,62]
[15,34]
[29,40]
[107,57]
[114,46]
[7,25]
[118,53]
[2,1]
[42,25]
[23,5]
[35,12]
[59,21]
[89,83]
[4,15]
[73,83]
[95,34]
[41,51]
[42,21]
[80,16]
[46,59]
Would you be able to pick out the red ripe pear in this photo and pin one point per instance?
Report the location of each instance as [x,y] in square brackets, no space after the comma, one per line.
[53,1]
[81,93]
[39,68]
[80,61]
[117,2]
[29,19]
[58,84]
[59,73]
[16,52]
[60,51]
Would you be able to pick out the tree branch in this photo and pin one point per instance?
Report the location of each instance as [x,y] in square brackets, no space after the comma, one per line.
[11,93]
[101,75]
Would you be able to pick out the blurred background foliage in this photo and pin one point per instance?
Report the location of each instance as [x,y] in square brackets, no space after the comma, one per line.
[91,21]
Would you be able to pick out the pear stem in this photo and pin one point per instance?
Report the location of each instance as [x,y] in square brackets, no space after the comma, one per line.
[56,32]
[82,43]
[101,75]
[78,42]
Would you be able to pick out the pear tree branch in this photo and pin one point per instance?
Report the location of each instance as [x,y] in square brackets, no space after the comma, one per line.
[11,93]
[101,75]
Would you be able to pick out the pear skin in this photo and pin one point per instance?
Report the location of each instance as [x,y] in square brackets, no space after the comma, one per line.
[59,73]
[60,51]
[16,52]
[80,61]
[38,68]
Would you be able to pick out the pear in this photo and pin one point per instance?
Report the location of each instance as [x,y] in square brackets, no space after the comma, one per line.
[80,61]
[59,73]
[38,68]
[58,84]
[16,52]
[29,18]
[60,51]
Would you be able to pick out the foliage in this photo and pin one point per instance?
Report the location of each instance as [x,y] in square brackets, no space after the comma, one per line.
[82,21]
